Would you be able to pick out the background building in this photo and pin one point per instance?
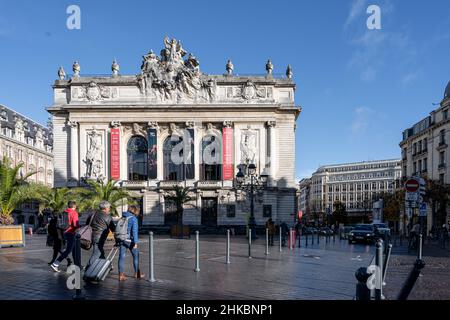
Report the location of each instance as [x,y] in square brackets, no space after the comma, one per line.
[425,149]
[356,185]
[304,192]
[23,140]
[128,127]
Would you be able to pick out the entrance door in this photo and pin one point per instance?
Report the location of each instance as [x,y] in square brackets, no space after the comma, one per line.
[209,212]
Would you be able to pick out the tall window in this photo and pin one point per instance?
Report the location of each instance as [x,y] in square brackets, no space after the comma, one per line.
[425,164]
[442,137]
[178,162]
[211,157]
[442,158]
[137,151]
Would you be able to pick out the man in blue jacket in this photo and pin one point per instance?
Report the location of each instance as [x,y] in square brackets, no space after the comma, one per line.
[131,243]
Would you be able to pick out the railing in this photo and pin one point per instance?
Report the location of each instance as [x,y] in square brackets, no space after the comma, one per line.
[134,184]
[171,184]
[205,184]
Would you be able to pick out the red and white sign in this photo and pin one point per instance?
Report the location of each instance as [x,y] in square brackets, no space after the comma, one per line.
[300,214]
[227,160]
[115,153]
[412,185]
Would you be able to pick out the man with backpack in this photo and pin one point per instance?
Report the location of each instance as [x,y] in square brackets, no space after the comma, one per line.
[101,224]
[56,236]
[126,236]
[69,222]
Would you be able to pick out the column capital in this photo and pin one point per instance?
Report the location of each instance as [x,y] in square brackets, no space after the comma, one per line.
[190,124]
[72,124]
[115,124]
[271,123]
[228,124]
[152,124]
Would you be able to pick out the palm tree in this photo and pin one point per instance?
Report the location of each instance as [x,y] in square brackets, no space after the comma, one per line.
[179,197]
[54,199]
[98,191]
[14,190]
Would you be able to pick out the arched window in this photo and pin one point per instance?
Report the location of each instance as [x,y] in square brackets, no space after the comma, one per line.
[211,158]
[173,158]
[137,151]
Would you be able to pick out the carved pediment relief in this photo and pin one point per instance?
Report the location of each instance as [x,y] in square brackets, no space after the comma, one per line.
[93,92]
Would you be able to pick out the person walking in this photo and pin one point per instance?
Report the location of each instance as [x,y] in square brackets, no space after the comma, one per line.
[56,236]
[443,235]
[70,220]
[102,223]
[284,233]
[131,243]
[271,226]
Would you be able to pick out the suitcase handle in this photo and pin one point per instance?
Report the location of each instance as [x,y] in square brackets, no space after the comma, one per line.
[114,249]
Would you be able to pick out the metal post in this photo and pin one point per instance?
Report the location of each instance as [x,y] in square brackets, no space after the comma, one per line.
[386,261]
[306,236]
[299,237]
[312,237]
[411,280]
[78,294]
[318,236]
[23,234]
[362,291]
[379,265]
[197,252]
[334,236]
[267,241]
[249,243]
[228,246]
[150,257]
[419,253]
[280,240]
[290,238]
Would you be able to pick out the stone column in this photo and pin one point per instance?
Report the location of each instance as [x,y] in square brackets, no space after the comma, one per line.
[272,165]
[74,156]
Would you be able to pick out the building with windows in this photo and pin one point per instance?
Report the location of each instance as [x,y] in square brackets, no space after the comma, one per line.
[425,150]
[357,185]
[172,125]
[304,187]
[23,140]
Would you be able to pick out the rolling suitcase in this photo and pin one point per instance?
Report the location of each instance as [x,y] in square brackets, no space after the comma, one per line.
[100,268]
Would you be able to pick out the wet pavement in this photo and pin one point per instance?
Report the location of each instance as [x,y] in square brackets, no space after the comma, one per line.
[322,271]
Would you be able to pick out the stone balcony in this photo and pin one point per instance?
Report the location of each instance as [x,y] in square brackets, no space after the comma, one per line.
[204,184]
[134,184]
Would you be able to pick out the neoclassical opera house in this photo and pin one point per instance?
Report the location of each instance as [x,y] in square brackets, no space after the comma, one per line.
[172,124]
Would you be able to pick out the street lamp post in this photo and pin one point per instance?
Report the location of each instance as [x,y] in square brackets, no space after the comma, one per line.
[256,183]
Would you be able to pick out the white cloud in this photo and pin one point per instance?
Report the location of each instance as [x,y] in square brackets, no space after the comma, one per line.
[356,9]
[361,121]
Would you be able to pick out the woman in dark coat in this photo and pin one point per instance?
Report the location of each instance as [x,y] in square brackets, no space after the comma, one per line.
[56,235]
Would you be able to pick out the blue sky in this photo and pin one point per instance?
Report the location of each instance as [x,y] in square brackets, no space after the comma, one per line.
[359,88]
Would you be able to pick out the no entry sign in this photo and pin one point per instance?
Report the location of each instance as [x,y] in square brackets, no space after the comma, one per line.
[412,185]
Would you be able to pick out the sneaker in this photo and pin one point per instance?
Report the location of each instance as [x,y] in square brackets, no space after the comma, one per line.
[55,267]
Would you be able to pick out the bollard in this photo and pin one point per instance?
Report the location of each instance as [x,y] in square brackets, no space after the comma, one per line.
[411,280]
[299,237]
[386,261]
[280,240]
[150,257]
[267,241]
[379,265]
[197,252]
[306,236]
[334,236]
[228,247]
[249,243]
[318,236]
[77,257]
[290,238]
[312,237]
[419,252]
[362,291]
[401,238]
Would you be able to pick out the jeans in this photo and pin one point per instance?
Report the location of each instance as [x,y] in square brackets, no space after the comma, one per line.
[98,252]
[124,246]
[70,243]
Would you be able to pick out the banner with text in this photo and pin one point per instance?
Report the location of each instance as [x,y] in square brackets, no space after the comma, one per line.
[115,153]
[152,154]
[227,143]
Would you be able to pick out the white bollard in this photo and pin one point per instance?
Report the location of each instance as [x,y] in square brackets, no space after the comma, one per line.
[197,252]
[228,247]
[290,238]
[267,241]
[150,257]
[280,240]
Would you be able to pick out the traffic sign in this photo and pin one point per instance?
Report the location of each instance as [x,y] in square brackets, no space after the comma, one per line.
[423,209]
[412,185]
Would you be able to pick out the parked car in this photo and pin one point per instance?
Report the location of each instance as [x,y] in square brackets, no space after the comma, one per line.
[324,231]
[345,231]
[362,233]
[382,230]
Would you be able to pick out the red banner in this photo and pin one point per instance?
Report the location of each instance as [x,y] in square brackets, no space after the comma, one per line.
[115,154]
[227,160]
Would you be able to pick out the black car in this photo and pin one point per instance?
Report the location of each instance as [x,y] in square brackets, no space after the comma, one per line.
[362,233]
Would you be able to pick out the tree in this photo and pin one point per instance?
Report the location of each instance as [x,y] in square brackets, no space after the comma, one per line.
[436,194]
[179,197]
[340,212]
[14,190]
[97,191]
[55,199]
[392,205]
